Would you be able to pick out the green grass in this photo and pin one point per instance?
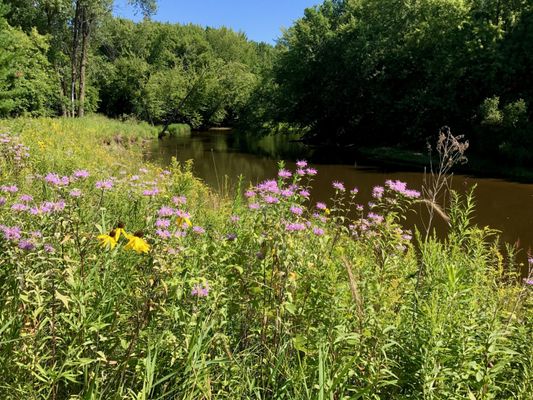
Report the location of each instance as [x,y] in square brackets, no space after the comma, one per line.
[345,308]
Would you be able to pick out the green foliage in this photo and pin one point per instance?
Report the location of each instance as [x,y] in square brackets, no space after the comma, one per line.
[257,304]
[27,82]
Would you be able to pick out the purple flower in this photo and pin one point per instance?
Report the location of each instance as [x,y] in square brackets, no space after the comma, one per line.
[254,206]
[338,186]
[287,192]
[36,234]
[304,193]
[283,173]
[249,193]
[26,245]
[166,211]
[270,186]
[377,192]
[75,193]
[359,207]
[528,281]
[413,194]
[271,199]
[231,236]
[135,177]
[104,185]
[162,223]
[321,206]
[49,248]
[11,232]
[300,172]
[151,192]
[354,191]
[80,174]
[378,219]
[26,198]
[2,201]
[301,163]
[296,210]
[295,226]
[9,189]
[56,180]
[311,171]
[530,260]
[235,218]
[179,200]
[163,233]
[318,231]
[200,290]
[198,229]
[19,207]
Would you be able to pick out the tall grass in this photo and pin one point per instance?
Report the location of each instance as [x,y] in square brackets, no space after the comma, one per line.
[262,296]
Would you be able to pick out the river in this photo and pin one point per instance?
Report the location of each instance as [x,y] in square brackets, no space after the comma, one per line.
[220,157]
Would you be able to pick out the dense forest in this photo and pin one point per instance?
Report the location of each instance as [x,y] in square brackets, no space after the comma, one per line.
[357,72]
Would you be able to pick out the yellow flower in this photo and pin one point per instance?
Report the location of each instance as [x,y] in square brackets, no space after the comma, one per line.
[137,243]
[109,241]
[183,220]
[327,211]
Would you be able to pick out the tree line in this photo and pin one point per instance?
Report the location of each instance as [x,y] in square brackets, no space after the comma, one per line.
[67,58]
[349,72]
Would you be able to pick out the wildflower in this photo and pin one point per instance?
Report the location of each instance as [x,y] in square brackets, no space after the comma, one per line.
[407,236]
[359,207]
[36,234]
[75,193]
[143,170]
[49,248]
[528,281]
[413,194]
[26,245]
[305,194]
[321,206]
[135,177]
[166,211]
[378,219]
[81,174]
[287,192]
[183,219]
[231,236]
[108,241]
[249,193]
[26,198]
[270,186]
[162,223]
[11,232]
[254,206]
[151,192]
[530,260]
[354,191]
[19,207]
[311,171]
[296,210]
[198,229]
[2,201]
[104,185]
[9,189]
[137,243]
[163,233]
[301,163]
[293,227]
[179,200]
[235,218]
[292,276]
[284,174]
[271,199]
[338,186]
[200,290]
[56,180]
[377,192]
[318,231]
[300,172]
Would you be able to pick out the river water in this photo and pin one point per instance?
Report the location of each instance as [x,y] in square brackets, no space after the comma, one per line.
[220,157]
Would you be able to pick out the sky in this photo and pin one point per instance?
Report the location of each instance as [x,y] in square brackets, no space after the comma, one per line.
[260,20]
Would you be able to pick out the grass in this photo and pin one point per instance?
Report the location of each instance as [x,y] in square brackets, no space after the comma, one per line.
[139,283]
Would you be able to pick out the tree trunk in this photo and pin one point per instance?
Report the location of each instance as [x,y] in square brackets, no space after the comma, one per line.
[85,34]
[74,58]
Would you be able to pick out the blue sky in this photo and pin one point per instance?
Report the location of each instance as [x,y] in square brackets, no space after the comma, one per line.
[260,20]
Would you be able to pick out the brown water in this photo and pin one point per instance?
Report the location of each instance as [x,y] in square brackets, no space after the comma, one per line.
[221,157]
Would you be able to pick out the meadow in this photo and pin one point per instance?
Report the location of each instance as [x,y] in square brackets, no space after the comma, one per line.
[124,280]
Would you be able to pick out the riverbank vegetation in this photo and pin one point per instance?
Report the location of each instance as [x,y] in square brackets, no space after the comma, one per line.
[121,280]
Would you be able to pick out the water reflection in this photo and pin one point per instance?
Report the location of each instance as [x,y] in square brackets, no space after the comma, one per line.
[505,206]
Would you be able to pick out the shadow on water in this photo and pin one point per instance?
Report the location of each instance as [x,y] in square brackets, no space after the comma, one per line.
[505,206]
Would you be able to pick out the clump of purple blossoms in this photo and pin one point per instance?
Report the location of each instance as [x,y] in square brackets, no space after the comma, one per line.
[283,173]
[26,245]
[26,198]
[104,185]
[401,188]
[55,179]
[338,186]
[301,163]
[200,290]
[11,232]
[19,207]
[198,229]
[163,233]
[318,231]
[377,192]
[162,223]
[295,227]
[179,200]
[75,193]
[321,206]
[80,174]
[151,192]
[9,189]
[296,210]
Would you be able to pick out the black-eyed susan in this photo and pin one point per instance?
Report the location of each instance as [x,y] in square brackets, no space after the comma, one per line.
[109,241]
[119,230]
[137,243]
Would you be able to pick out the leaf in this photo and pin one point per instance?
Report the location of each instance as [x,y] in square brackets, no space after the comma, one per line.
[64,299]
